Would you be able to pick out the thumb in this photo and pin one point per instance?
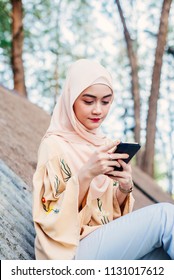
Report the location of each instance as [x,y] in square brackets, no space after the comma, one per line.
[110,146]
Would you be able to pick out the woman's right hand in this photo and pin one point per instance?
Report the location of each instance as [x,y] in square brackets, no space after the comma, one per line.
[102,161]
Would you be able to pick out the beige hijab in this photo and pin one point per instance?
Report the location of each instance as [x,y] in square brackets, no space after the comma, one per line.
[82,142]
[82,74]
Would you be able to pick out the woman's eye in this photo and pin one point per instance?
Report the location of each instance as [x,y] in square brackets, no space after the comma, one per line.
[88,102]
[105,102]
[91,102]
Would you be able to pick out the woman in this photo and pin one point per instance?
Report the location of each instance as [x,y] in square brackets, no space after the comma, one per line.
[81,206]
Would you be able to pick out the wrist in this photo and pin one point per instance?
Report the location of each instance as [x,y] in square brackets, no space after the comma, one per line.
[125,191]
[126,184]
[84,176]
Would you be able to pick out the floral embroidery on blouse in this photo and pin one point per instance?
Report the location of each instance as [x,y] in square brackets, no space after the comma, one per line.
[56,185]
[66,170]
[103,213]
[48,209]
[115,183]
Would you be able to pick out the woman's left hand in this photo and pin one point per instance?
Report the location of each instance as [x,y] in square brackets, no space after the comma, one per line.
[123,177]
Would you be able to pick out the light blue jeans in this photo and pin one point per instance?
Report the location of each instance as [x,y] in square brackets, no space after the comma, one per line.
[147,233]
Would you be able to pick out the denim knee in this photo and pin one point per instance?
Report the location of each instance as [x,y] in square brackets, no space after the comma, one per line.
[166,206]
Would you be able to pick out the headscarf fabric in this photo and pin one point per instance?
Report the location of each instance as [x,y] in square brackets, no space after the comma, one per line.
[64,124]
[82,74]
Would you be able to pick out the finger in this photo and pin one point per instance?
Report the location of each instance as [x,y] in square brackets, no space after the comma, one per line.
[110,176]
[109,169]
[119,156]
[125,166]
[119,174]
[113,163]
[110,146]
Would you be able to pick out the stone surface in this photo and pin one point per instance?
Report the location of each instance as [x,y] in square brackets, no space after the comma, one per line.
[16,226]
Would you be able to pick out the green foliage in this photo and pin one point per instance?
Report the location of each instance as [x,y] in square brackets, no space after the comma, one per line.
[5,27]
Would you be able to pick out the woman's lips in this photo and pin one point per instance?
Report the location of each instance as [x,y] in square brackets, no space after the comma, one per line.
[95,120]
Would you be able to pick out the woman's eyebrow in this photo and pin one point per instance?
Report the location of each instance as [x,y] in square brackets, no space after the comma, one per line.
[109,95]
[89,95]
[93,96]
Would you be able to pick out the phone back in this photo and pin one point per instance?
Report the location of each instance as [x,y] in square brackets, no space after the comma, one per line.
[127,148]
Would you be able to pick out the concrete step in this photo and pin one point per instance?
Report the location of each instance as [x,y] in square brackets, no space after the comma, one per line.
[16,226]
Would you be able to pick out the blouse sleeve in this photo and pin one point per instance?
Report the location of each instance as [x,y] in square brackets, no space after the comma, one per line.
[55,210]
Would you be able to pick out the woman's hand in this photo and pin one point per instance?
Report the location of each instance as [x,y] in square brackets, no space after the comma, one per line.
[125,181]
[123,177]
[100,162]
[103,160]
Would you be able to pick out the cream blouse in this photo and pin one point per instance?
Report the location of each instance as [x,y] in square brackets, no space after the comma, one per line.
[59,223]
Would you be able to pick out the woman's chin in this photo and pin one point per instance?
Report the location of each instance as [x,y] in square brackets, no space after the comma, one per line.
[93,126]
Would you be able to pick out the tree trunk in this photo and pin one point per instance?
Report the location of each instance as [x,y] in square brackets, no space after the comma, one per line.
[17,46]
[134,79]
[148,157]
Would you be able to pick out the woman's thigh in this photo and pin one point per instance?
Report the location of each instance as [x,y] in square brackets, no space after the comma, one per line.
[132,236]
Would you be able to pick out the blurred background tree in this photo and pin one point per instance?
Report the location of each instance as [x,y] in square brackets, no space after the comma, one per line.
[125,37]
[143,160]
[17,47]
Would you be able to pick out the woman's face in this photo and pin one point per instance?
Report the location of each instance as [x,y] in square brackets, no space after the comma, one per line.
[92,105]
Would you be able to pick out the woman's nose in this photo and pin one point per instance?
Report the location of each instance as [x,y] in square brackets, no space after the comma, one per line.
[97,109]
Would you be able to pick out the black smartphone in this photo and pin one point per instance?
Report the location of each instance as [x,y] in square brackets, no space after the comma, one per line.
[126,148]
